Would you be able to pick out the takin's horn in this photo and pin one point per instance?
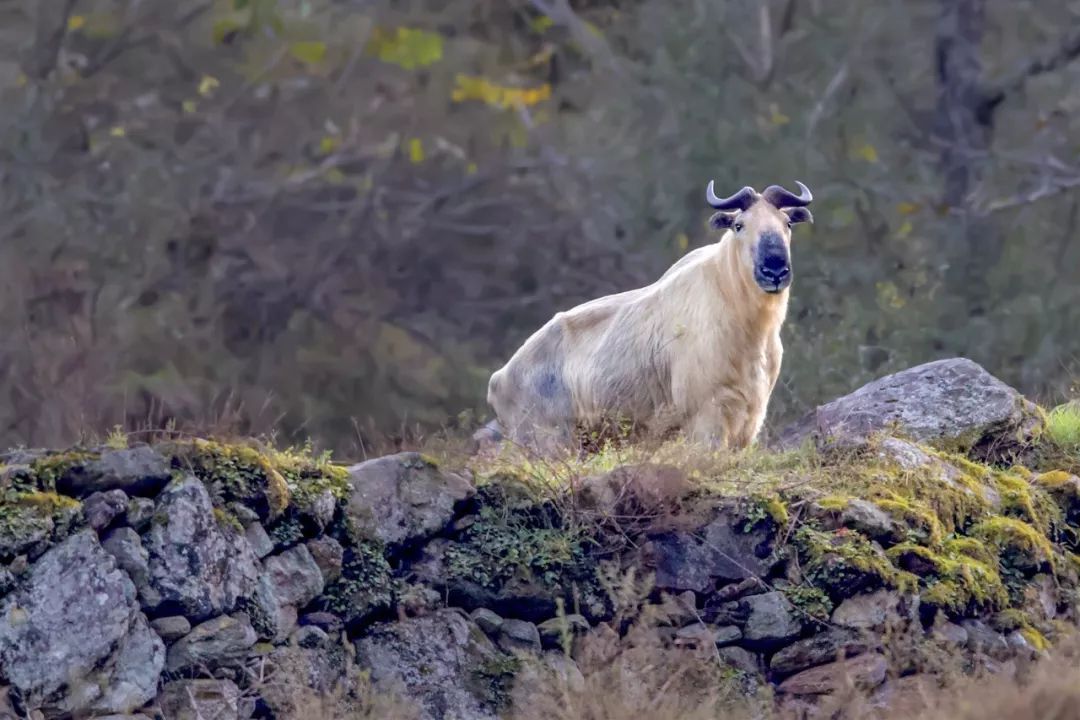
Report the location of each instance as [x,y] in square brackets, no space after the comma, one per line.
[780,198]
[739,201]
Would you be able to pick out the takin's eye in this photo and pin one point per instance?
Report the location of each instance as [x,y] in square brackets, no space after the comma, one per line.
[738,227]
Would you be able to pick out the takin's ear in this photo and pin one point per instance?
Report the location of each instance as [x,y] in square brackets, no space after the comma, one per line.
[798,215]
[722,220]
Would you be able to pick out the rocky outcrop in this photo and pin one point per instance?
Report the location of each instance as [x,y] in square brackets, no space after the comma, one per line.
[197,579]
[950,403]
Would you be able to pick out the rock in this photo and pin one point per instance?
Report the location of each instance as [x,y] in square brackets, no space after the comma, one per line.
[131,677]
[200,700]
[137,471]
[909,696]
[7,581]
[519,635]
[865,672]
[630,490]
[740,659]
[328,555]
[1041,597]
[309,636]
[171,628]
[139,513]
[824,647]
[101,508]
[260,542]
[138,716]
[909,456]
[403,498]
[867,518]
[952,403]
[437,660]
[719,552]
[198,567]
[871,611]
[270,617]
[221,642]
[307,679]
[487,621]
[322,508]
[553,631]
[706,636]
[295,577]
[981,639]
[951,634]
[77,619]
[417,598]
[537,676]
[125,545]
[768,620]
[328,622]
[31,521]
[1021,647]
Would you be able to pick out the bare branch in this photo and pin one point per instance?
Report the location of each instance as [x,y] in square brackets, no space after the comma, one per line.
[1066,52]
[1047,188]
[49,33]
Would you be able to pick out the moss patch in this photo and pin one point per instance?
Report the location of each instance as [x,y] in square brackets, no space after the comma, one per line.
[30,518]
[366,585]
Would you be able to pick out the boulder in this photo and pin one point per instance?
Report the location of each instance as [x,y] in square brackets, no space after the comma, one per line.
[73,636]
[260,542]
[295,577]
[137,471]
[200,700]
[873,611]
[125,545]
[221,642]
[328,555]
[865,672]
[951,403]
[519,635]
[553,631]
[139,513]
[768,620]
[101,508]
[487,621]
[719,552]
[403,498]
[307,677]
[198,567]
[171,628]
[707,636]
[443,661]
[824,647]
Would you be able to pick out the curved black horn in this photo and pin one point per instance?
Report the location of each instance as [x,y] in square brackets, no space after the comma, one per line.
[739,201]
[781,198]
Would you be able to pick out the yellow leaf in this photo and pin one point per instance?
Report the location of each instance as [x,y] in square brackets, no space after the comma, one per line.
[416,151]
[227,26]
[683,241]
[21,80]
[776,117]
[500,96]
[189,106]
[867,152]
[308,52]
[118,131]
[335,175]
[406,47]
[907,208]
[207,85]
[328,144]
[905,229]
[75,22]
[541,23]
[471,169]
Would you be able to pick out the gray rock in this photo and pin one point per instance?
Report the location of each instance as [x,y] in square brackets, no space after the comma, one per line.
[981,639]
[322,508]
[328,555]
[554,630]
[171,628]
[309,636]
[870,611]
[131,677]
[434,659]
[260,542]
[740,659]
[294,575]
[951,634]
[487,621]
[198,567]
[221,642]
[519,635]
[824,647]
[137,471]
[537,675]
[7,581]
[328,622]
[719,552]
[301,674]
[137,716]
[272,619]
[125,545]
[101,508]
[139,513]
[200,700]
[768,620]
[74,633]
[402,498]
[953,403]
[707,636]
[865,672]
[868,518]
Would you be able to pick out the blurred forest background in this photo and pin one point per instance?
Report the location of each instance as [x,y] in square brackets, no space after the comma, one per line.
[336,217]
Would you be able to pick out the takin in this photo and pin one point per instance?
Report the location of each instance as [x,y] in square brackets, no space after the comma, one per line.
[697,352]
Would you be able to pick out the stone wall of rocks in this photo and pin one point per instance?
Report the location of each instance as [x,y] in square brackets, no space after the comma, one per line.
[194,579]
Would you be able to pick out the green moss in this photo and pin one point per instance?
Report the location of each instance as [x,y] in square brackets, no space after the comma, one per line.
[29,518]
[1019,543]
[44,472]
[1063,425]
[811,601]
[914,513]
[227,520]
[843,562]
[958,577]
[495,678]
[1022,499]
[366,585]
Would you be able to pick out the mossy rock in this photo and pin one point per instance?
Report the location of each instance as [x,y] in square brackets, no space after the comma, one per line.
[366,588]
[30,520]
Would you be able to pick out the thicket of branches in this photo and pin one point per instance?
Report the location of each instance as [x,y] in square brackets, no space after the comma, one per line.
[335,217]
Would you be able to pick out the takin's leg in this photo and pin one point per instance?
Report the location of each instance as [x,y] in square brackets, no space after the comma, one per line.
[710,426]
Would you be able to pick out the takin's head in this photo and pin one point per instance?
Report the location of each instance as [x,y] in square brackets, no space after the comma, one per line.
[761,226]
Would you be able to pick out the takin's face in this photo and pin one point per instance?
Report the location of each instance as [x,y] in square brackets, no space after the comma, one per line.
[762,232]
